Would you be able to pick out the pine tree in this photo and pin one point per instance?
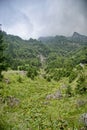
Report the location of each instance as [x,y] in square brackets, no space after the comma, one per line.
[2,58]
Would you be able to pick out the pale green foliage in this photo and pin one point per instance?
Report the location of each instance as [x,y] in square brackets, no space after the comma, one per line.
[34,111]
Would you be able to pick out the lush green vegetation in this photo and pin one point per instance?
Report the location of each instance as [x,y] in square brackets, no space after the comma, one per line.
[2,57]
[45,86]
[57,50]
[27,103]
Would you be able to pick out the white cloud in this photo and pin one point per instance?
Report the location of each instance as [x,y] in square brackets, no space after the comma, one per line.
[37,18]
[19,29]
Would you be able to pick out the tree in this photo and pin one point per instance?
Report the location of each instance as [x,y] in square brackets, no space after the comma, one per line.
[2,58]
[32,72]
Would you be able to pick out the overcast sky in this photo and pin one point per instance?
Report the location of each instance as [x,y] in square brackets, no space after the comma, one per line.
[35,18]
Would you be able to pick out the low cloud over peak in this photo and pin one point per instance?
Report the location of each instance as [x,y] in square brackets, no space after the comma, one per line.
[35,18]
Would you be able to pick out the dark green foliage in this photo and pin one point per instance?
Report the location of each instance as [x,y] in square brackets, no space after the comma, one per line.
[81,87]
[69,91]
[20,79]
[79,67]
[57,75]
[32,72]
[80,56]
[72,76]
[48,78]
[2,58]
[4,125]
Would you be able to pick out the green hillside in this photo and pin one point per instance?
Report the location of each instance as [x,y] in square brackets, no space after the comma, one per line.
[45,85]
[20,52]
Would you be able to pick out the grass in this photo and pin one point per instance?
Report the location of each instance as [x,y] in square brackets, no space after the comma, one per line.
[34,111]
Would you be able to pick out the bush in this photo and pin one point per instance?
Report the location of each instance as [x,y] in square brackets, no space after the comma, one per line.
[32,72]
[72,76]
[48,78]
[81,87]
[19,79]
[69,91]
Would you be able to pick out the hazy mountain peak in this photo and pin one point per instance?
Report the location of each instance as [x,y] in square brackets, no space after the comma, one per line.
[75,34]
[78,37]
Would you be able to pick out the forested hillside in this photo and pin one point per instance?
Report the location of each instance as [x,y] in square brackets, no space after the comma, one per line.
[21,52]
[58,56]
[45,85]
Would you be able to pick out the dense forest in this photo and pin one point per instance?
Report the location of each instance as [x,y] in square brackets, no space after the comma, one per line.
[56,55]
[43,83]
[20,52]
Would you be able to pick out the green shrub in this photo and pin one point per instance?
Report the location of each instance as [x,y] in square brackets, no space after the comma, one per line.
[19,79]
[81,87]
[32,72]
[69,91]
[72,76]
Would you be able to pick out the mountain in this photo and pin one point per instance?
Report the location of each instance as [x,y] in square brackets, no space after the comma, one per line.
[78,37]
[44,39]
[50,79]
[51,38]
[21,52]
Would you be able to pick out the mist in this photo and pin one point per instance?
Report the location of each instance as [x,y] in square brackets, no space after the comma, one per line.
[35,18]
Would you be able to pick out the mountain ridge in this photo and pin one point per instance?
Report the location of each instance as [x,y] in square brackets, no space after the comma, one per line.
[77,37]
[22,52]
